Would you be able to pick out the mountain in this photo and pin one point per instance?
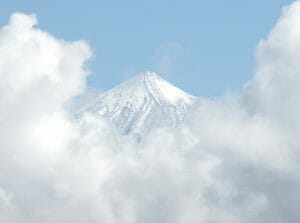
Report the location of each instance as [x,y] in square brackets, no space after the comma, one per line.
[141,104]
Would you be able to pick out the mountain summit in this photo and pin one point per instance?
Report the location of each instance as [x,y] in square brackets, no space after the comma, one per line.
[142,103]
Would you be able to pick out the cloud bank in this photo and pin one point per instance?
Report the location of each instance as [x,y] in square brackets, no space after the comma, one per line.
[234,159]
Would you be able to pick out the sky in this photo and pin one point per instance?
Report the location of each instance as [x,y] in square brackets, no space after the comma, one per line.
[232,159]
[205,47]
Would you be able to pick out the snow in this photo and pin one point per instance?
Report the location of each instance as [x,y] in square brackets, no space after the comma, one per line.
[173,94]
[141,104]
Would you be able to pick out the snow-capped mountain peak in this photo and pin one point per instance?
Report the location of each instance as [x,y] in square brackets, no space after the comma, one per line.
[143,103]
[163,89]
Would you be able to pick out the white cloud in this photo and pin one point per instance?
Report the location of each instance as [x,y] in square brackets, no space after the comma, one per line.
[274,89]
[167,56]
[234,160]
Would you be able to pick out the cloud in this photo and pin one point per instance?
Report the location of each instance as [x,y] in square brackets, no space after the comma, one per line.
[167,56]
[274,89]
[234,159]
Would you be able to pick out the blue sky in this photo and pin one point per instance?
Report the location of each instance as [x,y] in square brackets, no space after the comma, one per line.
[204,47]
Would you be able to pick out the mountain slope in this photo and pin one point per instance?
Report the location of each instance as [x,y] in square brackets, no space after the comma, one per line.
[142,103]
